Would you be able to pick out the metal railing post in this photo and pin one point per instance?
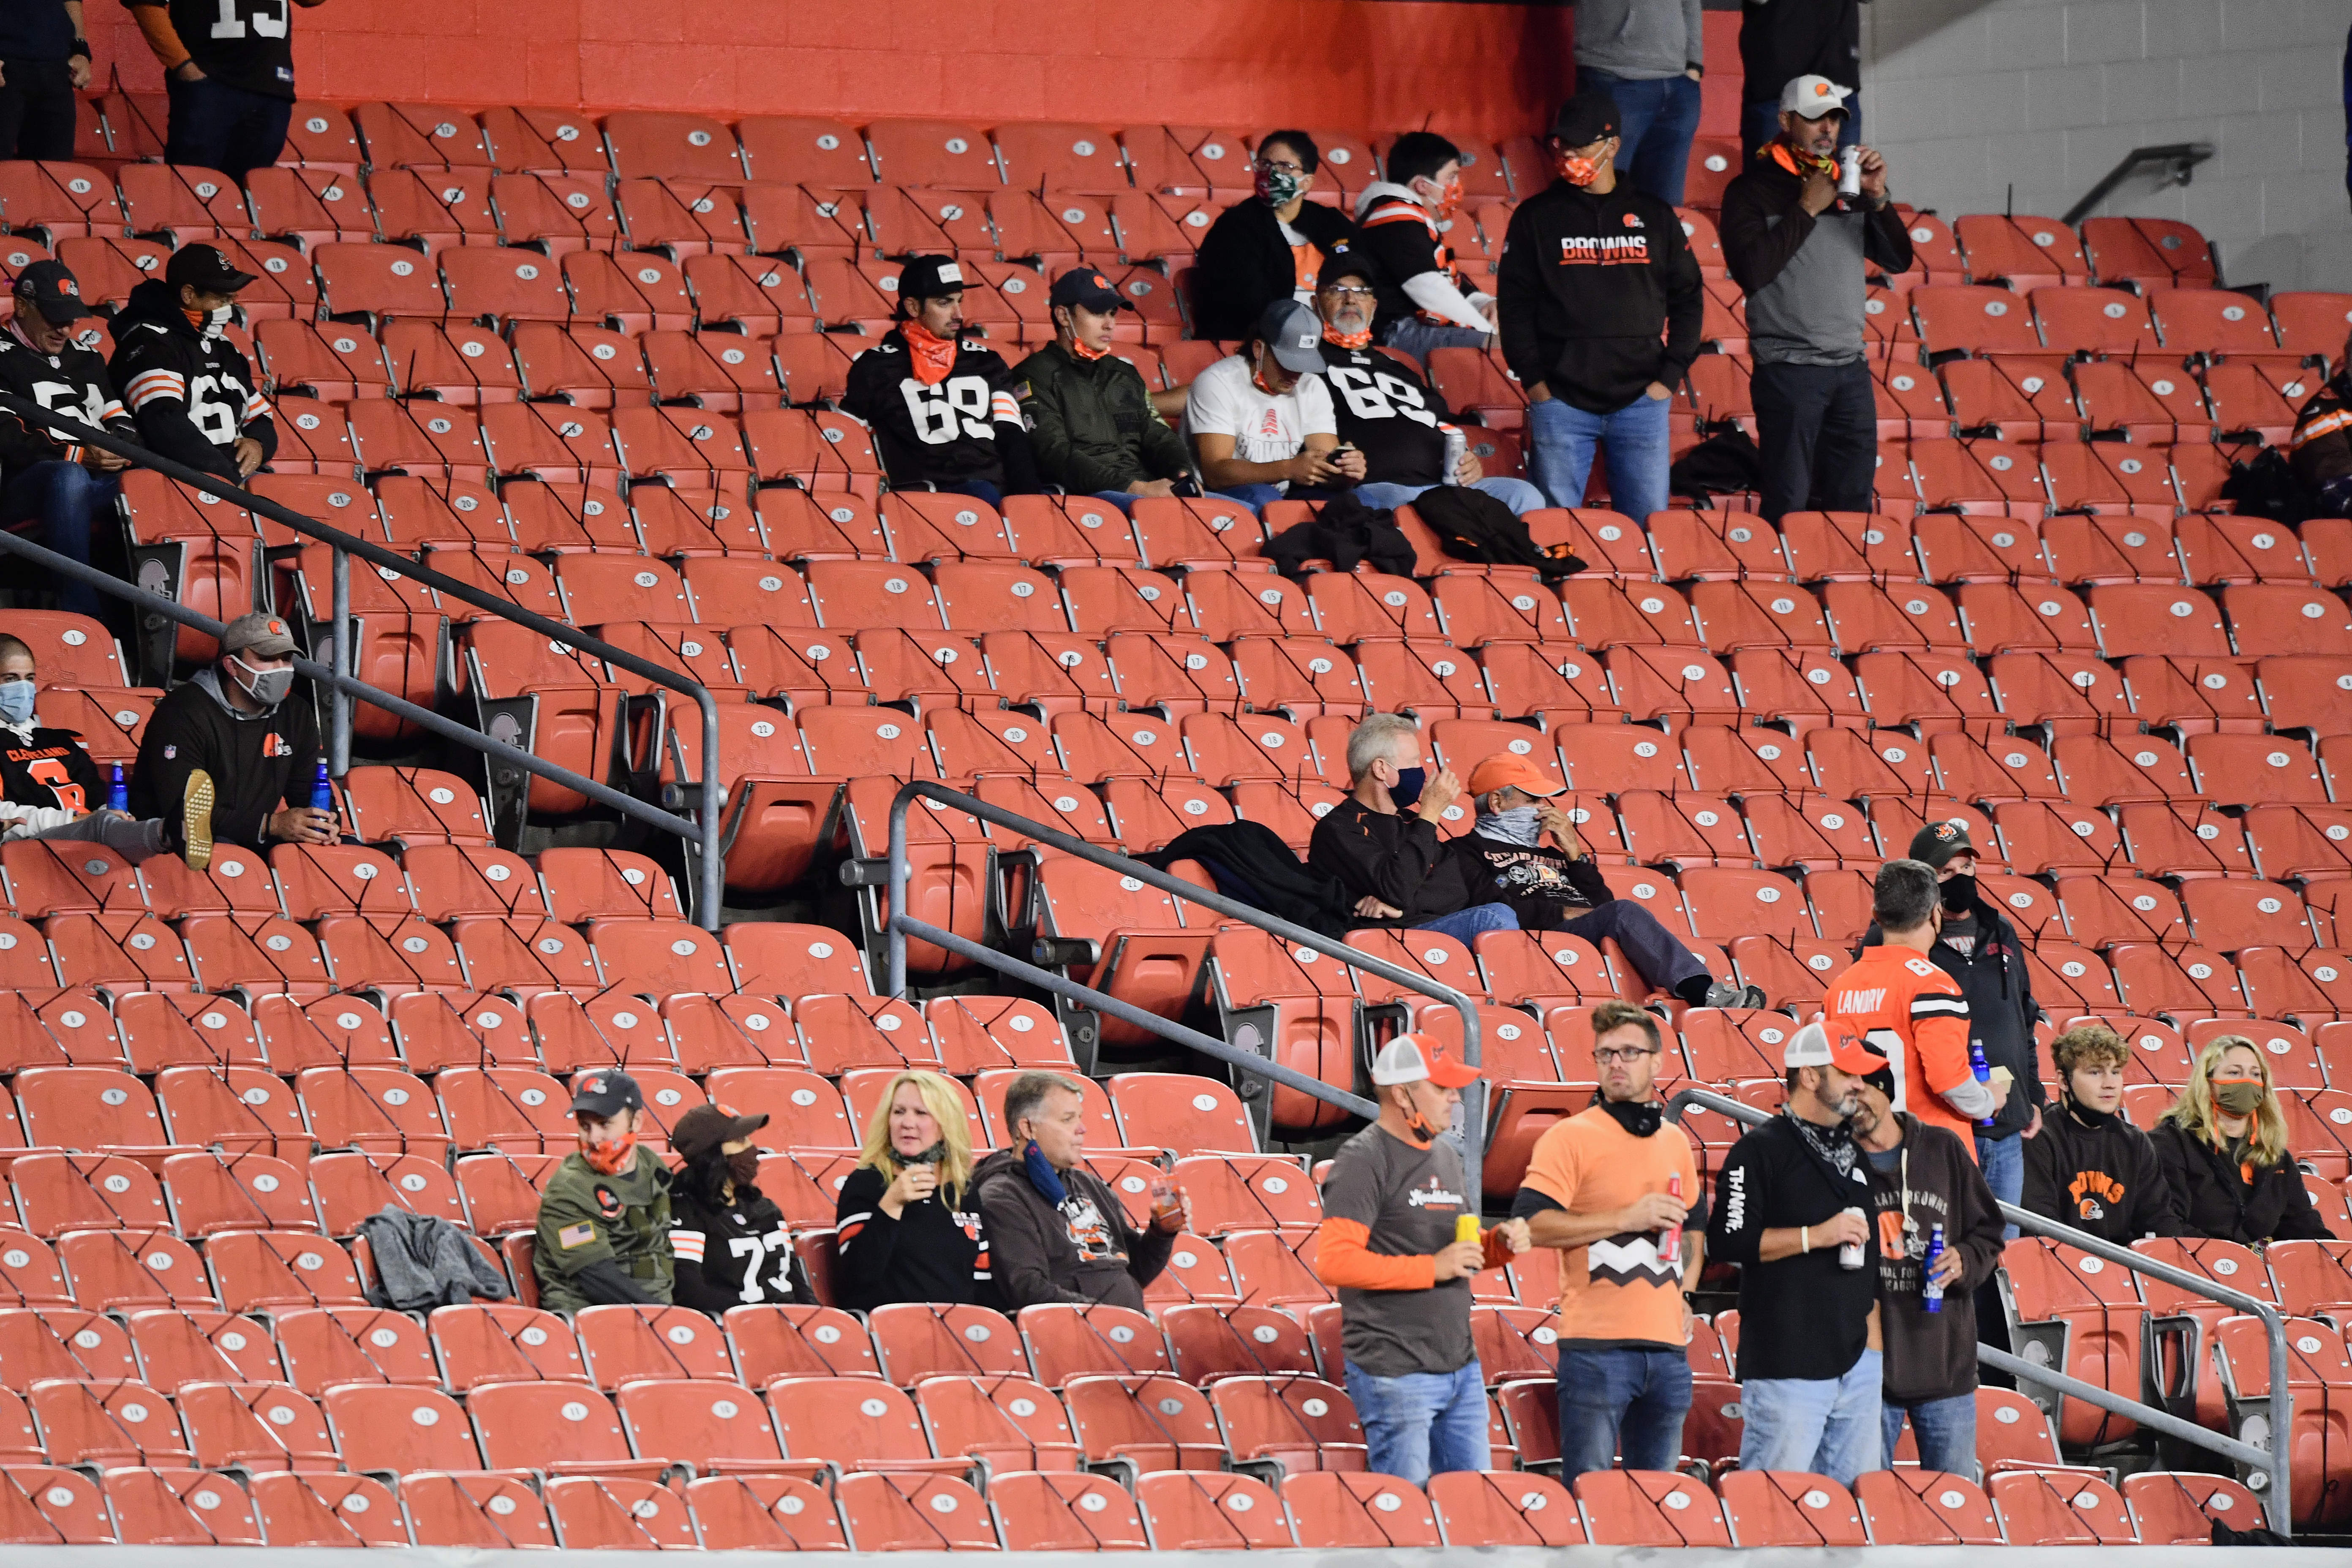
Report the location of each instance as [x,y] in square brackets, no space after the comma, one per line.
[2278,1496]
[713,869]
[338,733]
[898,925]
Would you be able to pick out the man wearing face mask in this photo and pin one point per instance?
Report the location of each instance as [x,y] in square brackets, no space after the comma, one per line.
[1791,1209]
[190,388]
[604,1233]
[1978,948]
[1093,428]
[1261,419]
[1273,248]
[940,404]
[727,1236]
[1556,886]
[1380,843]
[1402,224]
[1912,1012]
[1386,408]
[1799,248]
[1602,308]
[228,756]
[47,477]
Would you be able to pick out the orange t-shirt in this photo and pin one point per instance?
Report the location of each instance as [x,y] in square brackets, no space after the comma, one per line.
[1306,265]
[1915,1016]
[1617,1290]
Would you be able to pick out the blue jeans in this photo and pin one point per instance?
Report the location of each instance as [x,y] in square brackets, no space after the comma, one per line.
[216,126]
[1622,1397]
[1412,335]
[1945,1430]
[1422,1424]
[1760,123]
[1521,497]
[67,497]
[1658,956]
[1463,925]
[2002,1160]
[979,490]
[1828,1426]
[1655,122]
[1562,437]
[1255,496]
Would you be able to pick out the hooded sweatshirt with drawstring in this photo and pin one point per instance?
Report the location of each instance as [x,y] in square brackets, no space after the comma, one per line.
[1408,243]
[259,762]
[190,388]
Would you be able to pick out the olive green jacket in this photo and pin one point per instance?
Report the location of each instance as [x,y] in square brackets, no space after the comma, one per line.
[586,1217]
[1091,423]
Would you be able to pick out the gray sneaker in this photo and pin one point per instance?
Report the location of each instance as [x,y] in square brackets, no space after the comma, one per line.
[1725,993]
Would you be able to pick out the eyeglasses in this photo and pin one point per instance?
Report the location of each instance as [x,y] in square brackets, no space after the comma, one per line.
[1605,1055]
[1337,292]
[1283,167]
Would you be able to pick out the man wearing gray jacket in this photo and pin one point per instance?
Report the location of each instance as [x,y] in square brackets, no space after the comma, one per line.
[1797,248]
[1649,56]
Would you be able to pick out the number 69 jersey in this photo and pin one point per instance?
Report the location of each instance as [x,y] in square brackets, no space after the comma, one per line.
[192,393]
[1389,412]
[959,428]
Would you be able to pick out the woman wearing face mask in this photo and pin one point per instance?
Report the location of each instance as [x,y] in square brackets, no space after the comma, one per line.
[1270,248]
[2224,1152]
[729,1239]
[2089,1167]
[907,1228]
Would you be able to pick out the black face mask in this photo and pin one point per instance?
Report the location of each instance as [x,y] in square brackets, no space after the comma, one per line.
[743,1169]
[2085,1115]
[1640,1119]
[1959,894]
[931,1156]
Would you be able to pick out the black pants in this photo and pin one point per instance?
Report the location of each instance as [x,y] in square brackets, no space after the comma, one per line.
[36,110]
[216,126]
[1817,426]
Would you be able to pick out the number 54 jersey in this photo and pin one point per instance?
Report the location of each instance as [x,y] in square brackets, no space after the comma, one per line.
[1387,410]
[963,427]
[72,381]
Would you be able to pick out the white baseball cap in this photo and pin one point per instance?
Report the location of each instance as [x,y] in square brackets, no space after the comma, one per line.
[1813,96]
[1406,1060]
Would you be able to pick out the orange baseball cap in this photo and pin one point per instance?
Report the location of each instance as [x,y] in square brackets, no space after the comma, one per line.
[1507,770]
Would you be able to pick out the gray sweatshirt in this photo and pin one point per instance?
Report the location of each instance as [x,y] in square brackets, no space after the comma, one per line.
[1641,41]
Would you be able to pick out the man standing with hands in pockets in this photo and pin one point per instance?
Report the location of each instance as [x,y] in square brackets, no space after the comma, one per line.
[1616,1189]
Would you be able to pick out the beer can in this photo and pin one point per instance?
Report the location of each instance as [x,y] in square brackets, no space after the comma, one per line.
[1466,1227]
[1456,444]
[1850,1253]
[1849,170]
[1670,1242]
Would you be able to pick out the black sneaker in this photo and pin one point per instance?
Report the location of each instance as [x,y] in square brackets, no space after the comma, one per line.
[196,821]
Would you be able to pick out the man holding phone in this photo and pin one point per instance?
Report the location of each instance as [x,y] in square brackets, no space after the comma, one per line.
[1261,420]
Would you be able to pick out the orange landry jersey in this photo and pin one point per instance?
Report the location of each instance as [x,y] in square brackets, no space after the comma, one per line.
[1915,1016]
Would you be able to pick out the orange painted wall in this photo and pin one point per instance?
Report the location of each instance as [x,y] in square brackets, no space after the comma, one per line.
[1358,65]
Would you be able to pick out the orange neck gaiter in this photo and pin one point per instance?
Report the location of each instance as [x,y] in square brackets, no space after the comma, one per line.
[933,357]
[1334,336]
[1796,162]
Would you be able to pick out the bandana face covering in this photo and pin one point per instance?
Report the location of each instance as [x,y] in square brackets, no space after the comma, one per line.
[1339,338]
[1797,162]
[1518,825]
[932,357]
[613,1157]
[1278,187]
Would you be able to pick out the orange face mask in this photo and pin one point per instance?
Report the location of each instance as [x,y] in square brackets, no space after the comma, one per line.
[1796,162]
[613,1157]
[1082,351]
[932,356]
[1577,169]
[1449,200]
[1348,339]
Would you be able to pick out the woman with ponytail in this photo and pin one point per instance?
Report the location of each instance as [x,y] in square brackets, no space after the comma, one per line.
[2223,1148]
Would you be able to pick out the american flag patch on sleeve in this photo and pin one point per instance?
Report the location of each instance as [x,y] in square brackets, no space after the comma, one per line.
[572,1236]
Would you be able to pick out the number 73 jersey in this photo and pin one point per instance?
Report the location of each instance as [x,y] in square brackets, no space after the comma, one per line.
[1389,412]
[941,432]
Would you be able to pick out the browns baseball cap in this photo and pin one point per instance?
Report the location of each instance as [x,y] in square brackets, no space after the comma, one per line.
[1586,118]
[929,277]
[1346,261]
[1408,1059]
[1082,286]
[1507,770]
[1831,1042]
[1938,842]
[706,1127]
[1811,97]
[50,288]
[207,268]
[607,1091]
[259,633]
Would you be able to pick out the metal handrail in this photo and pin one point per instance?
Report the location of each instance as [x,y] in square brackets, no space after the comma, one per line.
[2277,1493]
[2179,158]
[901,925]
[345,545]
[346,686]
